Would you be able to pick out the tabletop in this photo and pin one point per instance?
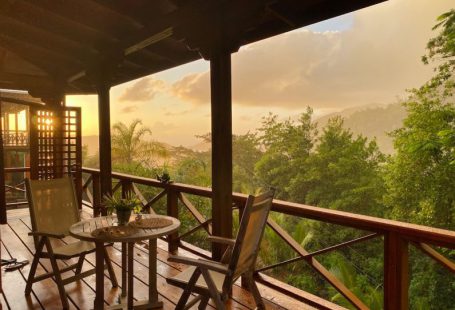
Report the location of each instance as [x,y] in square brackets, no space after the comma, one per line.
[105,229]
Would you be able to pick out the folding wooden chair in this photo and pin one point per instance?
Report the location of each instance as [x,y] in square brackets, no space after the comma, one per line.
[53,209]
[239,260]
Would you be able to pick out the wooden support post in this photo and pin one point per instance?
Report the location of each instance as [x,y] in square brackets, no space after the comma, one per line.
[2,177]
[97,207]
[104,138]
[172,210]
[396,272]
[221,105]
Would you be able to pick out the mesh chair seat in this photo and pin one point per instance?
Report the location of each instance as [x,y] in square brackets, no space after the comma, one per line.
[74,249]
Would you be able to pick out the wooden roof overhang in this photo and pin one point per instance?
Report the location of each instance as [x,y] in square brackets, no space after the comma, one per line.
[49,46]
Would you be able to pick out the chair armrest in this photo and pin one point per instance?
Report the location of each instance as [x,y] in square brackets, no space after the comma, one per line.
[221,240]
[45,234]
[214,266]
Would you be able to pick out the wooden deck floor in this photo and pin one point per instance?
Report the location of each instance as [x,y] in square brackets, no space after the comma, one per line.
[16,243]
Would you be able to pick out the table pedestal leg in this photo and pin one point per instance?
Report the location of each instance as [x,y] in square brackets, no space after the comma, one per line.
[130,275]
[99,298]
[153,292]
[124,270]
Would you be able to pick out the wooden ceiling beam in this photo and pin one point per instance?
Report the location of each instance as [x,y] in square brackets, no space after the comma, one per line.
[88,14]
[45,40]
[24,81]
[45,52]
[303,14]
[160,29]
[54,65]
[36,16]
[223,28]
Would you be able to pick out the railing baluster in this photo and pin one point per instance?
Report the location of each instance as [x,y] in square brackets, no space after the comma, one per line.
[127,188]
[396,272]
[317,266]
[172,210]
[438,257]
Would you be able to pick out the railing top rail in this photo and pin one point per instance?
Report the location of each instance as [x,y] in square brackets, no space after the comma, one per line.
[413,232]
[17,169]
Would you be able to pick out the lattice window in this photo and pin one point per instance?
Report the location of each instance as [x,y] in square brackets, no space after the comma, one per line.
[44,158]
[55,144]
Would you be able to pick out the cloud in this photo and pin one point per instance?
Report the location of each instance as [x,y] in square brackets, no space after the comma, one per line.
[129,109]
[177,113]
[372,62]
[143,90]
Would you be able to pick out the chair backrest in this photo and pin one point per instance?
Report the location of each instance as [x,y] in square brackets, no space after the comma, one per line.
[251,230]
[53,205]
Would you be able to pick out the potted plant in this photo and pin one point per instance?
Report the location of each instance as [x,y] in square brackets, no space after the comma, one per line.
[164,177]
[122,207]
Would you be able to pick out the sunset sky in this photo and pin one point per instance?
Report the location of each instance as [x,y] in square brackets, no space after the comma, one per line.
[366,57]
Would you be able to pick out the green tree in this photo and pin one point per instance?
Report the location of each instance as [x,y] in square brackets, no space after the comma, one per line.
[343,173]
[132,146]
[420,178]
[287,145]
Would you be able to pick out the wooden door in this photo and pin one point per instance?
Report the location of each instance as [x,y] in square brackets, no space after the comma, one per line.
[55,144]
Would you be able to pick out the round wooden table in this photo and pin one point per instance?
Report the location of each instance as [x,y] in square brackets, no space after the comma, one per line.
[83,231]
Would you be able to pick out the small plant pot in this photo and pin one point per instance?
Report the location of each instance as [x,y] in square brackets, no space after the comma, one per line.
[123,217]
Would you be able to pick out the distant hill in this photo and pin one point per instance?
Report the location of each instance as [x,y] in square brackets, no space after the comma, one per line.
[92,143]
[372,122]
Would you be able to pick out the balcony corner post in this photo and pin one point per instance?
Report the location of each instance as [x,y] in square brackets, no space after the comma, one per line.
[104,138]
[396,272]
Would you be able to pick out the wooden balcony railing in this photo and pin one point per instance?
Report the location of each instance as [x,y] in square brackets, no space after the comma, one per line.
[15,138]
[15,193]
[396,236]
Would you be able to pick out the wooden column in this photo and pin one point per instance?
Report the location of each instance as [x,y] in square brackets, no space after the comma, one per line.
[2,176]
[396,272]
[221,105]
[104,139]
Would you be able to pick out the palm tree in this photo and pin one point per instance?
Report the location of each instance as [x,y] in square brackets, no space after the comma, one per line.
[132,144]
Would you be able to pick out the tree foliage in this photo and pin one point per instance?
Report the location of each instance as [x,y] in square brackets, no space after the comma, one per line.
[131,145]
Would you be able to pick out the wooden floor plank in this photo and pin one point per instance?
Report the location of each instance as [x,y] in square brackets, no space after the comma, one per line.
[15,292]
[3,303]
[82,292]
[141,288]
[46,290]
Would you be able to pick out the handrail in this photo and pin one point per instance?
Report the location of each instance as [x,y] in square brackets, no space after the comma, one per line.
[17,169]
[396,235]
[413,232]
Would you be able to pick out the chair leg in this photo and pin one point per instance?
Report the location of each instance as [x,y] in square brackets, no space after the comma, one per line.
[255,291]
[203,303]
[80,262]
[186,293]
[57,275]
[110,269]
[213,290]
[32,272]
